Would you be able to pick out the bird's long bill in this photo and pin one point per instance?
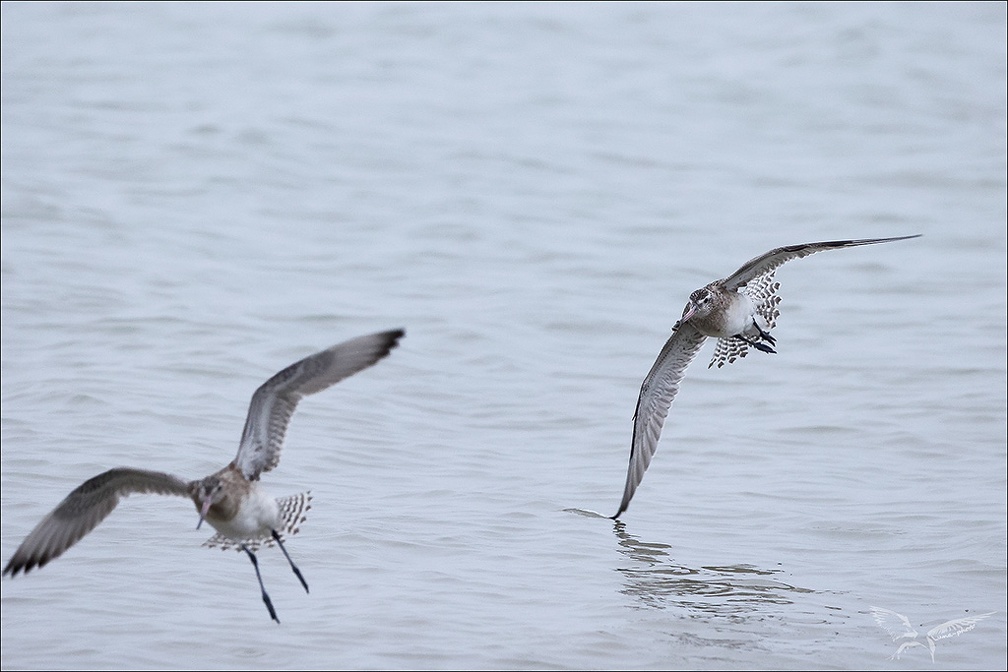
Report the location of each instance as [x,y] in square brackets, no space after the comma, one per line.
[686,314]
[203,511]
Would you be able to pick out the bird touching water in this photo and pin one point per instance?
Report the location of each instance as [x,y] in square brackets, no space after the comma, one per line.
[739,311]
[231,499]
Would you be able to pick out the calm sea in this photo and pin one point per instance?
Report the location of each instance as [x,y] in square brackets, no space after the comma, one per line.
[195,196]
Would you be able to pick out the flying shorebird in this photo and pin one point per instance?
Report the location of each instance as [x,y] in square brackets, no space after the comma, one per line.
[231,500]
[739,311]
[898,626]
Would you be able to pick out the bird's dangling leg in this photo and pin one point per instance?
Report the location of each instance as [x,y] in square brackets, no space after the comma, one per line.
[764,335]
[265,596]
[763,347]
[297,571]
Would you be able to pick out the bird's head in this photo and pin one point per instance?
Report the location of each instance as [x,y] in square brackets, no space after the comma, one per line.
[699,306]
[206,493]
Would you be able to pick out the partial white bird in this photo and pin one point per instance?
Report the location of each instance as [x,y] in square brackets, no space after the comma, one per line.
[899,628]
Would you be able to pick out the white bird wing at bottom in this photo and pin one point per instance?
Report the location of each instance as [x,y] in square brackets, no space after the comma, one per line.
[956,627]
[897,625]
[656,395]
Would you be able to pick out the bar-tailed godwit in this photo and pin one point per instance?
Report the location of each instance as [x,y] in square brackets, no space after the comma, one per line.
[739,311]
[231,499]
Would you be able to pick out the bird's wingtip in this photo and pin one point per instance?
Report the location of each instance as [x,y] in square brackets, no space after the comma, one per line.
[394,335]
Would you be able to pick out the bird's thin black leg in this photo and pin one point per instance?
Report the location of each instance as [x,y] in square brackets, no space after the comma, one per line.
[764,334]
[759,346]
[265,596]
[287,555]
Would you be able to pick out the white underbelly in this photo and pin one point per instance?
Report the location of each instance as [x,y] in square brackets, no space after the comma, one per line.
[256,518]
[737,317]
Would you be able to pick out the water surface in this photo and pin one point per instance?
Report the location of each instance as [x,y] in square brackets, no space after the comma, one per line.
[195,196]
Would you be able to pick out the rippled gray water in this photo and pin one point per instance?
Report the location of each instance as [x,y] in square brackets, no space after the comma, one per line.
[195,196]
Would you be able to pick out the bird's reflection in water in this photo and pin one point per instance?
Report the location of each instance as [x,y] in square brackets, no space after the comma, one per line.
[652,577]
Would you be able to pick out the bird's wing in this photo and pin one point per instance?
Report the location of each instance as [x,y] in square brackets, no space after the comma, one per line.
[656,395]
[904,646]
[766,263]
[956,627]
[897,625]
[274,402]
[83,509]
